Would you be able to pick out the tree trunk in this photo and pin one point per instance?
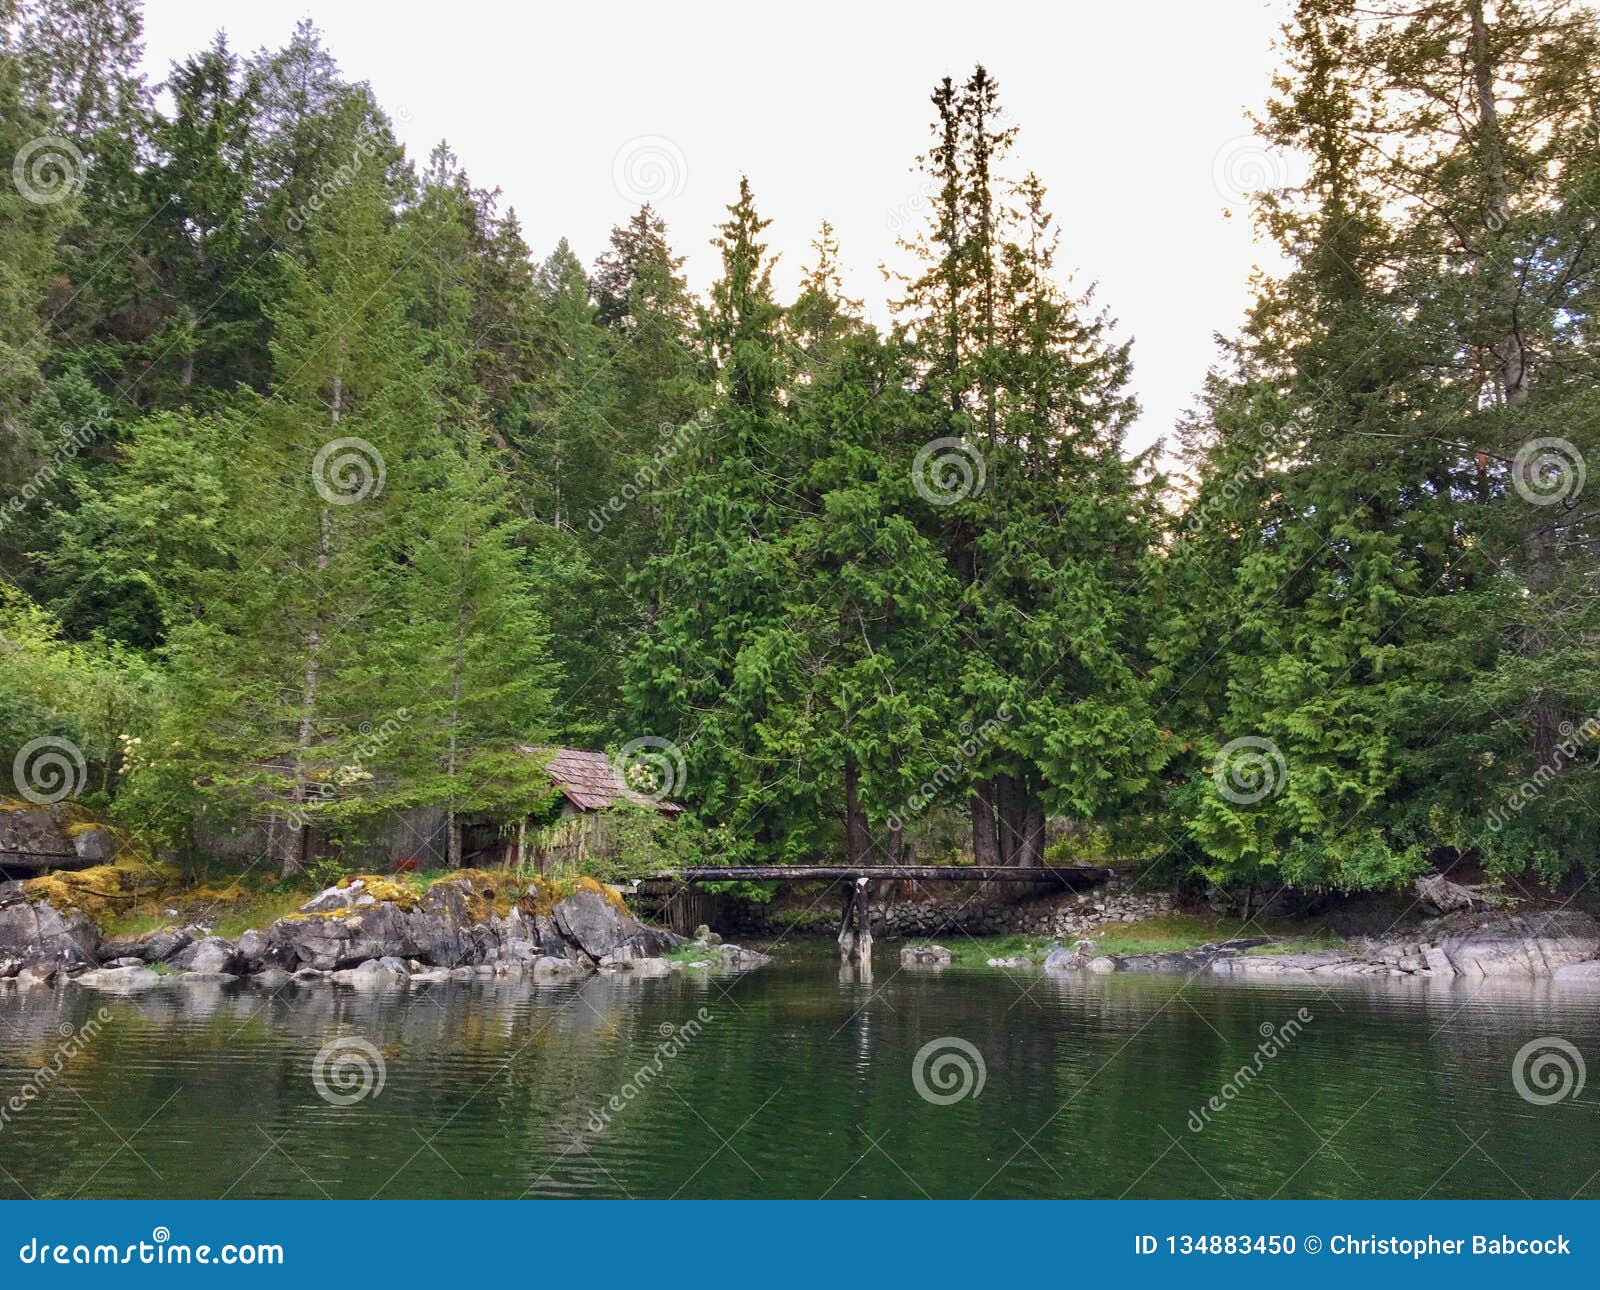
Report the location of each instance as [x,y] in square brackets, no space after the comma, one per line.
[453,859]
[1030,851]
[985,843]
[1007,799]
[1510,356]
[897,835]
[297,853]
[858,842]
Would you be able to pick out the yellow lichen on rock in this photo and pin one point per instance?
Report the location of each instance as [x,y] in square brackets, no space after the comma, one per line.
[380,887]
[544,894]
[100,891]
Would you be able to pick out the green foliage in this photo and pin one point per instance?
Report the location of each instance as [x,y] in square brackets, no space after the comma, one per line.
[104,699]
[333,495]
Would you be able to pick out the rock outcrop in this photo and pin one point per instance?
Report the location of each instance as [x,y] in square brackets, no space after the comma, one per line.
[603,929]
[36,932]
[1557,944]
[1438,894]
[364,933]
[452,924]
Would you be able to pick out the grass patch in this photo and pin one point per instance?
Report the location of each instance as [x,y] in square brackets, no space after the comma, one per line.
[1166,935]
[976,951]
[1319,943]
[140,923]
[690,954]
[257,913]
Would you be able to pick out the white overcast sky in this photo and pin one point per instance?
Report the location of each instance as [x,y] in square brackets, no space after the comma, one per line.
[1133,114]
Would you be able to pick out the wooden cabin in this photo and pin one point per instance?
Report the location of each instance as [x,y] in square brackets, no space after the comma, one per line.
[590,787]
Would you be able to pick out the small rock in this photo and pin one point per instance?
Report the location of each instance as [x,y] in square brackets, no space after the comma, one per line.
[925,956]
[40,973]
[213,955]
[93,846]
[1441,895]
[330,898]
[1105,963]
[374,972]
[121,980]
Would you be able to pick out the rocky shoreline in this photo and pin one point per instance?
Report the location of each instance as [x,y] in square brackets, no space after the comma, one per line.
[366,932]
[1558,945]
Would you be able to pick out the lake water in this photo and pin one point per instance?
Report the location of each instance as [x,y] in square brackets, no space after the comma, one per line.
[793,1082]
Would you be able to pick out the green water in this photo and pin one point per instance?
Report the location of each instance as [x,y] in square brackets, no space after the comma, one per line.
[791,1082]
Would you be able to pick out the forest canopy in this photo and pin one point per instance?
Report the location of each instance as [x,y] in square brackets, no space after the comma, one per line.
[324,492]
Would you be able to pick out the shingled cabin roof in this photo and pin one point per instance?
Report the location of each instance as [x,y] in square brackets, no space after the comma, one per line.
[591,783]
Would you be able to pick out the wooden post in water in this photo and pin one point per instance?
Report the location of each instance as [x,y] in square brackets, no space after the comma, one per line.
[855,927]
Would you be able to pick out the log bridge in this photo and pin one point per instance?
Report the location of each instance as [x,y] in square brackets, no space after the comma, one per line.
[855,925]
